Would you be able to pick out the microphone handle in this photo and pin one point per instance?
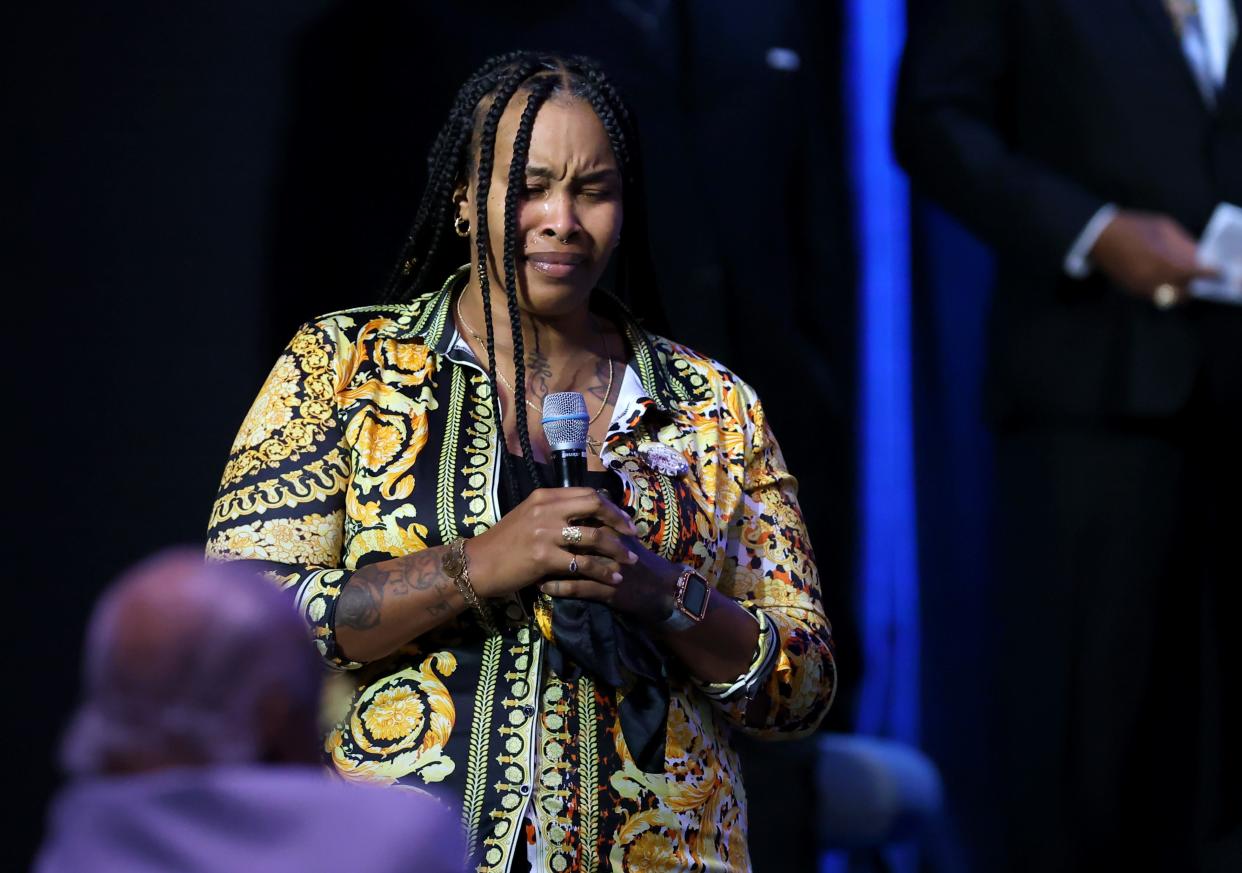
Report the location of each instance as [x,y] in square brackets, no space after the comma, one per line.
[569,467]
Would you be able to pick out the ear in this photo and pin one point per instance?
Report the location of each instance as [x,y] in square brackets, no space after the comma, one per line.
[461,199]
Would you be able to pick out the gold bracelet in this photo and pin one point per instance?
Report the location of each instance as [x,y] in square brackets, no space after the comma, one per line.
[457,566]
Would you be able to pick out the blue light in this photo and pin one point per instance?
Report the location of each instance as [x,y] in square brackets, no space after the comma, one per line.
[888,585]
[887,593]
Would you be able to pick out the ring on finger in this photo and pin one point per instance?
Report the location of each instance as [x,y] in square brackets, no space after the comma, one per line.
[571,534]
[1165,295]
[573,565]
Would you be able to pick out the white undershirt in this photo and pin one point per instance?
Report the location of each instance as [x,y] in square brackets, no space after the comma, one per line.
[1220,30]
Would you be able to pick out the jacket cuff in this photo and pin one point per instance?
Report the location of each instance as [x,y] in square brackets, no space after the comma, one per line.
[1078,261]
[316,599]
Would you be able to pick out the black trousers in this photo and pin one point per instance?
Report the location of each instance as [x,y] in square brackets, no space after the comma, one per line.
[1117,669]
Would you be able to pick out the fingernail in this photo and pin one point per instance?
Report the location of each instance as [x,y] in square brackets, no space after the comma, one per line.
[616,578]
[633,557]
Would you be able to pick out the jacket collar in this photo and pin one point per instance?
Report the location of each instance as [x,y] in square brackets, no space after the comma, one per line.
[433,323]
[1157,16]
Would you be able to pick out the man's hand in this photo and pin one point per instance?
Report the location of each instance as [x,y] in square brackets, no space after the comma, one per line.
[1142,251]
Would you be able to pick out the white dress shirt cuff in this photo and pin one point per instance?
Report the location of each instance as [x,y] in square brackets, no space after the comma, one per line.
[1078,261]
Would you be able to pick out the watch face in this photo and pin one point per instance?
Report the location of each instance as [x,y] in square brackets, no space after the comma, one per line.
[694,597]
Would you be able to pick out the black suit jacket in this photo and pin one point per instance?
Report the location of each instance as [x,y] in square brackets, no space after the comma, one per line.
[1023,117]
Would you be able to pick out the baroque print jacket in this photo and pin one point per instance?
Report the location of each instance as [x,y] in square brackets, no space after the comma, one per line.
[374,437]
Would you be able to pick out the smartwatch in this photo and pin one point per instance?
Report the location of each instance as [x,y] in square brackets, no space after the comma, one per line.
[690,598]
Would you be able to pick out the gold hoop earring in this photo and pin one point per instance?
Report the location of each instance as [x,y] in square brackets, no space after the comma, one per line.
[461,227]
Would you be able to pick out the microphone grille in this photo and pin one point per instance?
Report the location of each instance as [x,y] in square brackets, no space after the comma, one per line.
[565,421]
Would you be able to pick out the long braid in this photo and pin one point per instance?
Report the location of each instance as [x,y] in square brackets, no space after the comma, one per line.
[635,271]
[487,152]
[636,275]
[445,164]
[517,181]
[437,199]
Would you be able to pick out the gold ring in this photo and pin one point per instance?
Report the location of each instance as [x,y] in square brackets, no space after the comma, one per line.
[571,534]
[573,565]
[1164,296]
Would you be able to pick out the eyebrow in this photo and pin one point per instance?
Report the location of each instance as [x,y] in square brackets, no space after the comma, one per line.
[605,175]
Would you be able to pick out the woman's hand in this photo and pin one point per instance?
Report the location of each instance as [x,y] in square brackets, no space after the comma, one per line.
[643,587]
[717,649]
[529,544]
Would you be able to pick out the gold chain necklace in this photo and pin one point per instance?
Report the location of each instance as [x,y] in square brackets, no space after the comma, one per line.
[539,409]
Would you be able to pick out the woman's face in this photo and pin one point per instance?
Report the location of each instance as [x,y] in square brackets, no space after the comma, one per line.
[569,214]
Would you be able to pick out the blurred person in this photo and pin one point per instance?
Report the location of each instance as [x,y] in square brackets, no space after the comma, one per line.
[569,663]
[195,746]
[1088,144]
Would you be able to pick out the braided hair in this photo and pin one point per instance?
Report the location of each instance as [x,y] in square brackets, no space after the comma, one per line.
[466,144]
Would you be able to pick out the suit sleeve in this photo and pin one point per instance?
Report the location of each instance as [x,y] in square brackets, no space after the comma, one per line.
[953,101]
[281,503]
[770,569]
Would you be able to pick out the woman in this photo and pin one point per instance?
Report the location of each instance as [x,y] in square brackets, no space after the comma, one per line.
[568,662]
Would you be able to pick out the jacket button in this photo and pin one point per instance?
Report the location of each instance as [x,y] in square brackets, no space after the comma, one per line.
[528,710]
[524,790]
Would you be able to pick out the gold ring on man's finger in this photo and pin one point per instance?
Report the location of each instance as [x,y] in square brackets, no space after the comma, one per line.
[571,534]
[1165,295]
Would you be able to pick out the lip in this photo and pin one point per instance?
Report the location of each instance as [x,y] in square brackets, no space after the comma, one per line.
[556,265]
[573,258]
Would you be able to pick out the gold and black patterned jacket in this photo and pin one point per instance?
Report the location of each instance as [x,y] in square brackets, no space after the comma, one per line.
[374,437]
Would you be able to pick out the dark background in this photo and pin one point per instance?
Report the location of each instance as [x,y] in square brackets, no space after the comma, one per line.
[193,180]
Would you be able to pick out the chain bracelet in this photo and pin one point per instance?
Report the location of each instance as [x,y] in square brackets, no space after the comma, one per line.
[457,566]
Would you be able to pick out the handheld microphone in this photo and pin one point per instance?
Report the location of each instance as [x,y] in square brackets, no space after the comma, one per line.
[565,424]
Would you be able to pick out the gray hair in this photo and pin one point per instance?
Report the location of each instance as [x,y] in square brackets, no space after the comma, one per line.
[181,659]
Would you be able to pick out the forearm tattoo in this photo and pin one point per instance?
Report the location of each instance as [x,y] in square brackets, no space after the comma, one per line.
[361,605]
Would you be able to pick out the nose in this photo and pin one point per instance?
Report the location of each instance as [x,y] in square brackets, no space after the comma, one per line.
[560,217]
